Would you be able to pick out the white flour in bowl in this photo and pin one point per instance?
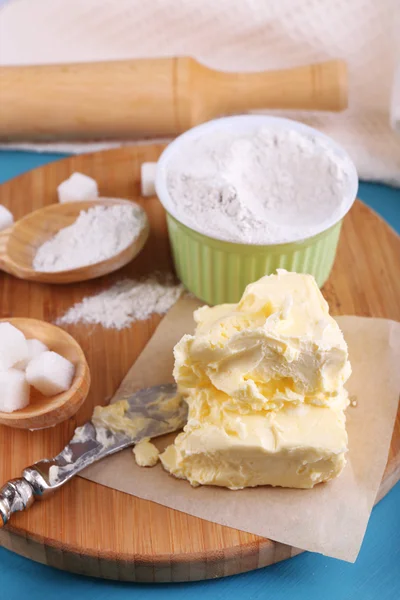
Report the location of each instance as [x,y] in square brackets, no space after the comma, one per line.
[269,187]
[97,234]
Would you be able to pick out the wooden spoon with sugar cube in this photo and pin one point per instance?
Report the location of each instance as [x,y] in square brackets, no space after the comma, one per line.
[47,411]
[19,243]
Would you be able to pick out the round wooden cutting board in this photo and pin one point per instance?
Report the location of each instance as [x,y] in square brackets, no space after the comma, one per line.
[90,529]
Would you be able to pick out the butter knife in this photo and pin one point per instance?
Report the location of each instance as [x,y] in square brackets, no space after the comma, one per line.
[150,407]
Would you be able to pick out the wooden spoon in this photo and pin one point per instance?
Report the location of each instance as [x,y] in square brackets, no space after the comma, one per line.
[47,411]
[19,243]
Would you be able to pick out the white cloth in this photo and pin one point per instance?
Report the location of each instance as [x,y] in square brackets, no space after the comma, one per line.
[234,35]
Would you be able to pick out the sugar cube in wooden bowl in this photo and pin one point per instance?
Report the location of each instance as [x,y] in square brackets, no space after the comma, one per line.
[44,376]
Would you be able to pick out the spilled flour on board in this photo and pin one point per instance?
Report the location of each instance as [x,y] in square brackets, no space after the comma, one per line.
[125,302]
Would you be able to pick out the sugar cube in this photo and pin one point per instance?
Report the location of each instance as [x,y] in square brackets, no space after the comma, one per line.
[50,373]
[13,346]
[14,390]
[77,187]
[35,347]
[148,176]
[6,218]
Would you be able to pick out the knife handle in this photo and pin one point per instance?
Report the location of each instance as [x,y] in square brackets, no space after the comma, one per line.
[15,495]
[19,494]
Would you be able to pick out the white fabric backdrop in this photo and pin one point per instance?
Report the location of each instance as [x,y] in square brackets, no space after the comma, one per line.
[234,35]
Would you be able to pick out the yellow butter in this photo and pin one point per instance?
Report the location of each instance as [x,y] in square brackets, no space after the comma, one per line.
[264,382]
[114,418]
[294,447]
[145,453]
[278,345]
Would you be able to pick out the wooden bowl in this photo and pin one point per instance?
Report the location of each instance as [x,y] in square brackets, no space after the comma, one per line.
[19,243]
[46,411]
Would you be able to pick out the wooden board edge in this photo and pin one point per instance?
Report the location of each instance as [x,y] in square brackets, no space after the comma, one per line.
[163,568]
[180,568]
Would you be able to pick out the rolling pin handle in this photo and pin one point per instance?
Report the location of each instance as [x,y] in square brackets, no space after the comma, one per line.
[15,495]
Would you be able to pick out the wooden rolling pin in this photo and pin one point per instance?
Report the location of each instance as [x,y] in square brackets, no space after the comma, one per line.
[158,97]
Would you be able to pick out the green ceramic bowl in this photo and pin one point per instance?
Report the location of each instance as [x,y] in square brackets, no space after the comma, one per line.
[218,271]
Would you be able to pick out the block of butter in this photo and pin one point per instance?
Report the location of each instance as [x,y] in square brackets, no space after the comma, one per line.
[264,382]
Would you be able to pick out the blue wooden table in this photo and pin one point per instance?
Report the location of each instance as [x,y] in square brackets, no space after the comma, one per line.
[375,575]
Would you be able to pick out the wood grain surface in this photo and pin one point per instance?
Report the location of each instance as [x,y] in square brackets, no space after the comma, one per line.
[90,529]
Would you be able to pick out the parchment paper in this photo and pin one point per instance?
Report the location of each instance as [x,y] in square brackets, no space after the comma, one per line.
[331,518]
